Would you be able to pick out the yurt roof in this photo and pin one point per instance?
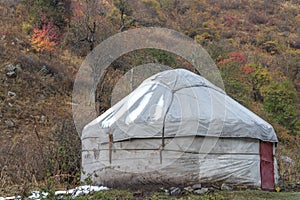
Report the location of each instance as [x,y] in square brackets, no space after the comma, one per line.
[178,103]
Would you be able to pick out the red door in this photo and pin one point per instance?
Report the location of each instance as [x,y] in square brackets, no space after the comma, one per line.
[266,166]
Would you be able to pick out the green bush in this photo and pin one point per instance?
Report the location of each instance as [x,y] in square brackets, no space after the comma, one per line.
[58,11]
[162,57]
[280,100]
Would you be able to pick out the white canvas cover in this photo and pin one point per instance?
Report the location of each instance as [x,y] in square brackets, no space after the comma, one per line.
[178,102]
[208,136]
[138,161]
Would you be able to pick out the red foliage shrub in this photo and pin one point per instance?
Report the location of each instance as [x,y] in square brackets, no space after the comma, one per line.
[47,37]
[247,70]
[235,57]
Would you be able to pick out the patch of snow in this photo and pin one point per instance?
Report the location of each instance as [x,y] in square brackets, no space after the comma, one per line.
[11,198]
[85,189]
[37,195]
[61,192]
[80,190]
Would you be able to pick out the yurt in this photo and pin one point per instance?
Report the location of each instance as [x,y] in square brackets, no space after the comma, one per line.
[178,129]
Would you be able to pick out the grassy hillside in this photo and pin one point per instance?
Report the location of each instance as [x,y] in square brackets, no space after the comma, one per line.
[255,43]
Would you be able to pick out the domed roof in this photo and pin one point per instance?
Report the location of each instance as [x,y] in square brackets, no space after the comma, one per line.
[178,103]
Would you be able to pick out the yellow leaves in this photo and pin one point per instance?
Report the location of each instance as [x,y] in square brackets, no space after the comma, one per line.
[46,38]
[261,74]
[40,41]
[271,47]
[277,189]
[26,27]
[203,36]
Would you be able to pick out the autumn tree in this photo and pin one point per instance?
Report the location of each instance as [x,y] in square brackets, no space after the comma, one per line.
[45,38]
[259,79]
[47,20]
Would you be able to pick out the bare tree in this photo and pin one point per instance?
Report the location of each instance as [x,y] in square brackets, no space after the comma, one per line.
[125,12]
[86,21]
